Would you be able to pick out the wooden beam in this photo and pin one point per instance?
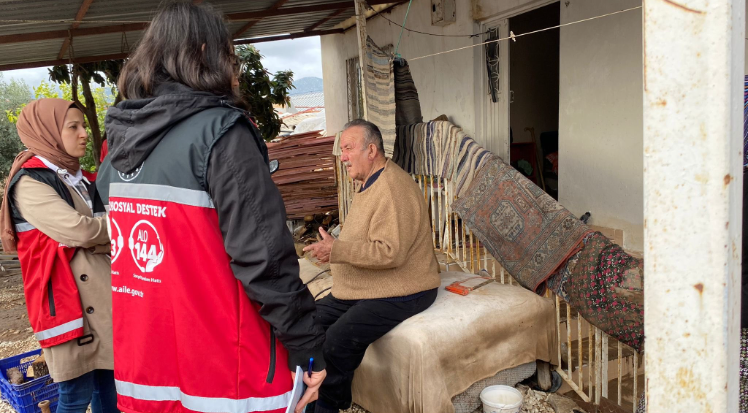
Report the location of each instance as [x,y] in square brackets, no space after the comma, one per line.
[78,18]
[334,14]
[64,34]
[249,25]
[361,35]
[288,36]
[246,27]
[385,10]
[87,59]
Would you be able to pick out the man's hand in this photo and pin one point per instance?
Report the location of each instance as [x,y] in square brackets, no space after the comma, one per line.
[312,388]
[321,249]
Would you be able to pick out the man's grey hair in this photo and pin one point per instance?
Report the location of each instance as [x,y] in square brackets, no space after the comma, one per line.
[371,133]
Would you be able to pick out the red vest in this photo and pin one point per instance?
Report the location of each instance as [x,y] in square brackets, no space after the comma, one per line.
[186,335]
[52,298]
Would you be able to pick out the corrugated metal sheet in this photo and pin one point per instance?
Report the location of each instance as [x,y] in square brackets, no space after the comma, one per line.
[133,10]
[120,10]
[284,24]
[31,51]
[238,6]
[143,10]
[308,100]
[337,20]
[30,9]
[304,3]
[105,44]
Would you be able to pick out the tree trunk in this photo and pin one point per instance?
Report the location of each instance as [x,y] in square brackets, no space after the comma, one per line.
[117,100]
[93,122]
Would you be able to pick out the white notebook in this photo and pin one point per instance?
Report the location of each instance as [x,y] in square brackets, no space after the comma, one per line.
[298,390]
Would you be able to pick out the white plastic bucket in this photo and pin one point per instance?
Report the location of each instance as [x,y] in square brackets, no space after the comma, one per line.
[501,399]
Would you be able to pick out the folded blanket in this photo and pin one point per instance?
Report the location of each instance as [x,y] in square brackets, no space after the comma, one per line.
[433,356]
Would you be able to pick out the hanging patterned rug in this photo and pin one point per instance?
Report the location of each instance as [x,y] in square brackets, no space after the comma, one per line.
[523,227]
[606,286]
[744,371]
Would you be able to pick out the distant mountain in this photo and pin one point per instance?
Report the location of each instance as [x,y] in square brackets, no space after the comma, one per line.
[307,85]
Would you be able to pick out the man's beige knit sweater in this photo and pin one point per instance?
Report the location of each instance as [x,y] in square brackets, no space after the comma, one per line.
[385,248]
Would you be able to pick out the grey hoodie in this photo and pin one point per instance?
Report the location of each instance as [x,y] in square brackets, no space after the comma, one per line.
[135,127]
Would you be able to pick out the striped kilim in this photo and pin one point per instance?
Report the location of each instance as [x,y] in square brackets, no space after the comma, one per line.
[439,148]
[408,107]
[744,370]
[380,93]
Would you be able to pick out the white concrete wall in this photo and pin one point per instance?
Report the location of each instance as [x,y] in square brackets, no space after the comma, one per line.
[486,9]
[600,119]
[445,83]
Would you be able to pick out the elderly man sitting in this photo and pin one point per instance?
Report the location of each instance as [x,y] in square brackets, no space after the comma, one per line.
[383,265]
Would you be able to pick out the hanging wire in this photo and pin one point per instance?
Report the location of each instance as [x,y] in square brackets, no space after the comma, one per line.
[71,48]
[514,37]
[124,44]
[402,29]
[402,26]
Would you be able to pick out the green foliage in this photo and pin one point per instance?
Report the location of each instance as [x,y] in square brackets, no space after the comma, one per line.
[13,95]
[105,72]
[261,92]
[44,90]
[103,102]
[95,100]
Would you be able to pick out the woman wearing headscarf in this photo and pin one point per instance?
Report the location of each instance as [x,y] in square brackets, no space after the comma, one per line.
[62,243]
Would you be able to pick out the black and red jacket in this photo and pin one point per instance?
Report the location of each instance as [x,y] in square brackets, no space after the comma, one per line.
[204,273]
[52,299]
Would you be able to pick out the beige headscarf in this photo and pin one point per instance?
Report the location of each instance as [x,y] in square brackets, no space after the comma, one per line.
[40,128]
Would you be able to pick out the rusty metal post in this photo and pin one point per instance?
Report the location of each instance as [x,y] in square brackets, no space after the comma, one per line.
[693,72]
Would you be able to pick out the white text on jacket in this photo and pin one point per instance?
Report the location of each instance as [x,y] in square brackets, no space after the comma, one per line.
[142,209]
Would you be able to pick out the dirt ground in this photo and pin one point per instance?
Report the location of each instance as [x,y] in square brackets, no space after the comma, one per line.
[16,336]
[15,332]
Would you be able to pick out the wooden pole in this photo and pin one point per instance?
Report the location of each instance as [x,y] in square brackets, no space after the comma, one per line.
[361,30]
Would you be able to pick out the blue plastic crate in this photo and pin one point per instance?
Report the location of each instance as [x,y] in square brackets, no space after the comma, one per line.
[25,397]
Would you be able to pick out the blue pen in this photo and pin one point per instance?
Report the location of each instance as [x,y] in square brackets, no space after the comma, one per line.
[311,364]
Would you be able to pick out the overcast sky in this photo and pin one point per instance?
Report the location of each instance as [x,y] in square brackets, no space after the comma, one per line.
[300,55]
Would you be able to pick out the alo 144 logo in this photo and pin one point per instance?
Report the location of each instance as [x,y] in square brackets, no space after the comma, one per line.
[116,238]
[145,245]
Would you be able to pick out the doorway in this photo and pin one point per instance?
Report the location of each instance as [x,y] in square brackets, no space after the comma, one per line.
[534,97]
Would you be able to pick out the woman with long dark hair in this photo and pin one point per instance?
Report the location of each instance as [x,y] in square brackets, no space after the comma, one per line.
[61,237]
[209,312]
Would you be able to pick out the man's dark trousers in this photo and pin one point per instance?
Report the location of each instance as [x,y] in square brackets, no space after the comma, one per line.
[350,326]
